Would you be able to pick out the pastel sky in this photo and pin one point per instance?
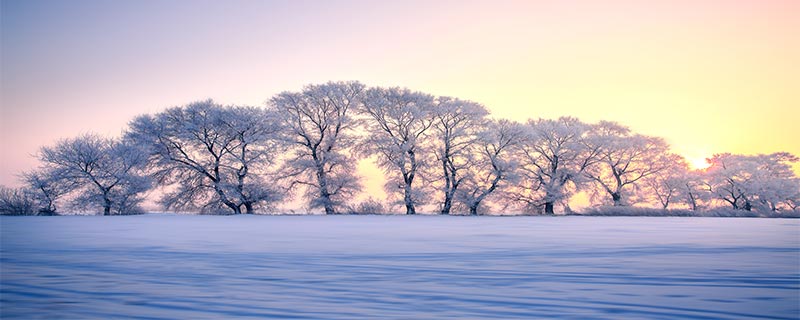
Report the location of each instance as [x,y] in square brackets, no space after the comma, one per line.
[709,76]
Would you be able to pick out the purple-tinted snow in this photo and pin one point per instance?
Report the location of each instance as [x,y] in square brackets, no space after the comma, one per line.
[398,267]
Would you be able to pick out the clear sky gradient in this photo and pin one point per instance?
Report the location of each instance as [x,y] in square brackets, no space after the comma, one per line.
[709,76]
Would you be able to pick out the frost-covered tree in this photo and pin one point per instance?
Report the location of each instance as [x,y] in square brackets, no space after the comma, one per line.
[624,159]
[318,122]
[730,179]
[456,124]
[745,182]
[554,155]
[793,203]
[667,186]
[212,156]
[777,184]
[47,186]
[101,172]
[693,191]
[396,122]
[17,201]
[490,162]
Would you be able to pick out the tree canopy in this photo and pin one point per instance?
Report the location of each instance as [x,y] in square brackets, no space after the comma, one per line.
[438,154]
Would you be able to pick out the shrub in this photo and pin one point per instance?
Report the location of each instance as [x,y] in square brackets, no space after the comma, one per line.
[17,202]
[369,206]
[716,212]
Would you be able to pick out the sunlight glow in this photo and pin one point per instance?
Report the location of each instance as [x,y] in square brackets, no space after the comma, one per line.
[725,71]
[698,163]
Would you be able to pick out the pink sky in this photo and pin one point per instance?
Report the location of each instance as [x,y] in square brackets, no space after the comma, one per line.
[709,76]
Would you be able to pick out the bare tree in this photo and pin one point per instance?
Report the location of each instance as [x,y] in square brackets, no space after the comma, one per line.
[103,172]
[17,202]
[554,155]
[318,123]
[397,120]
[47,186]
[214,157]
[624,159]
[455,126]
[491,162]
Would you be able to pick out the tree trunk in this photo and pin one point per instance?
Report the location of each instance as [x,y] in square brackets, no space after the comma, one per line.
[473,209]
[448,204]
[692,202]
[448,199]
[410,208]
[408,200]
[106,206]
[548,207]
[322,181]
[409,203]
[236,209]
[408,179]
[617,199]
[248,206]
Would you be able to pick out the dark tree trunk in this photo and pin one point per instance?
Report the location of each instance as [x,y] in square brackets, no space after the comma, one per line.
[448,204]
[548,207]
[473,210]
[408,179]
[106,206]
[617,199]
[408,200]
[236,208]
[322,180]
[410,208]
[692,202]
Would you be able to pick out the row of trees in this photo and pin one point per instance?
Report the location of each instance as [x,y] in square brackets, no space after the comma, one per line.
[442,152]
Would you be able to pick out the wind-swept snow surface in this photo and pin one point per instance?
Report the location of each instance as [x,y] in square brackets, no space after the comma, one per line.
[398,267]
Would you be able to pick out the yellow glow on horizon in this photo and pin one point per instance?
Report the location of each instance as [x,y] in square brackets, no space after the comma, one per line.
[707,76]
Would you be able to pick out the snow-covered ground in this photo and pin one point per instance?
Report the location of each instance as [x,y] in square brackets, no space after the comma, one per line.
[398,267]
